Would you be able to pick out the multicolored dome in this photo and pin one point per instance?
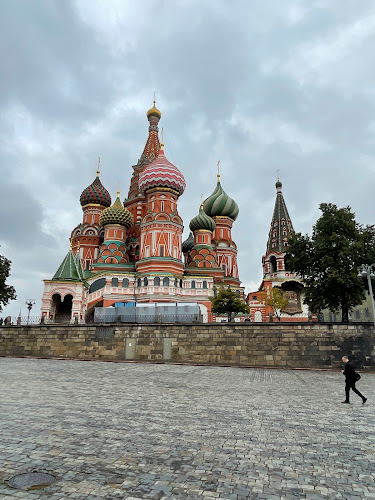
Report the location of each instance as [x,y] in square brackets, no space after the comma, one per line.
[96,193]
[161,173]
[202,221]
[188,244]
[116,214]
[154,112]
[219,204]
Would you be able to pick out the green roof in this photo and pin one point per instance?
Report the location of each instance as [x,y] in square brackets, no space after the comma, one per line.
[70,269]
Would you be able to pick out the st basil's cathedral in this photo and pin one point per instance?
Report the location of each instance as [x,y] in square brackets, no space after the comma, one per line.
[131,251]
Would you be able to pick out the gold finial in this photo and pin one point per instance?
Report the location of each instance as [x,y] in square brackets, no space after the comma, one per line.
[278,174]
[162,140]
[218,171]
[118,189]
[154,111]
[201,201]
[98,168]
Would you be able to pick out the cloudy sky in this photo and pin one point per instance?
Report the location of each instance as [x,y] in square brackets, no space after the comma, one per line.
[260,85]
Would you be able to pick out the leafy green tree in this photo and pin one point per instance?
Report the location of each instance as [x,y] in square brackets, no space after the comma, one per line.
[226,301]
[328,262]
[275,299]
[7,292]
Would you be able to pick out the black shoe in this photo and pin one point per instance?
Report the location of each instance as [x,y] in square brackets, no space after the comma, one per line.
[364,401]
[347,402]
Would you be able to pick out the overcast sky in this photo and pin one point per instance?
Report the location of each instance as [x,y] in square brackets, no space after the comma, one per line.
[260,85]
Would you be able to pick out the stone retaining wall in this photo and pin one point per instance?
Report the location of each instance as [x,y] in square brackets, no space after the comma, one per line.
[284,345]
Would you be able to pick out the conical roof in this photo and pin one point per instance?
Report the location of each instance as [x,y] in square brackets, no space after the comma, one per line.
[219,204]
[116,214]
[188,244]
[95,193]
[69,269]
[281,224]
[202,221]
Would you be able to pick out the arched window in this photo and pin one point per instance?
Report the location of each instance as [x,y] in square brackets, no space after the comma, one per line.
[176,282]
[137,250]
[273,263]
[139,282]
[204,284]
[97,285]
[114,281]
[165,281]
[145,282]
[180,283]
[193,284]
[287,262]
[125,283]
[157,281]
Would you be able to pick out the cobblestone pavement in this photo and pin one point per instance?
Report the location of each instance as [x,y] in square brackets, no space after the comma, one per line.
[119,430]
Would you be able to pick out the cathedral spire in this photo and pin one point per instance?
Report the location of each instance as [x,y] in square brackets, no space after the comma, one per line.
[281,224]
[152,146]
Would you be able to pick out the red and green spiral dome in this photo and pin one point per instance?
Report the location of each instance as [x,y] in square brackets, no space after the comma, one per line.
[96,194]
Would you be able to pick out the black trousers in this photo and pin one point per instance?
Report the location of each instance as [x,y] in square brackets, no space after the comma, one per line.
[350,384]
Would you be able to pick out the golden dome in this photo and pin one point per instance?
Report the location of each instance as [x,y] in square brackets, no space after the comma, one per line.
[154,112]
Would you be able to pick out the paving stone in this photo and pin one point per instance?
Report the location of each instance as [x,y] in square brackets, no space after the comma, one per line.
[109,430]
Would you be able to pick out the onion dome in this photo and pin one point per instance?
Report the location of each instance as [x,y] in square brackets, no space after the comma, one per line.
[188,244]
[219,204]
[202,221]
[154,112]
[96,193]
[161,173]
[116,214]
[278,184]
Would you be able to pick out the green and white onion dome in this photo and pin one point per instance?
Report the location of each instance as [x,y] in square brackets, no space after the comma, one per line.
[219,204]
[116,214]
[202,221]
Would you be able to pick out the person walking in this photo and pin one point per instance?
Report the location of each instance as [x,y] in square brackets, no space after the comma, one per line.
[350,380]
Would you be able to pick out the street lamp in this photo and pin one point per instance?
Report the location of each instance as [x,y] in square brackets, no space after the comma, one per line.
[367,271]
[29,303]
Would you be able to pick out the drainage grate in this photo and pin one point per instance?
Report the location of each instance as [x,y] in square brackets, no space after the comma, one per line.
[31,480]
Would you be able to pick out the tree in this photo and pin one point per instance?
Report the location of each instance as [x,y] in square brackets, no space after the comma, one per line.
[7,292]
[328,262]
[275,299]
[227,302]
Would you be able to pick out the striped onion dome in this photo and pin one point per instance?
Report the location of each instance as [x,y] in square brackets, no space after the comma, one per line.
[188,244]
[161,173]
[202,221]
[219,204]
[96,193]
[116,214]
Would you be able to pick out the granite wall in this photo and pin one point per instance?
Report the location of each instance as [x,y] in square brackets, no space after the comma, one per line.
[294,345]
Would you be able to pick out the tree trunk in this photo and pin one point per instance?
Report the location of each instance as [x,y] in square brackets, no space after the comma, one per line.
[344,313]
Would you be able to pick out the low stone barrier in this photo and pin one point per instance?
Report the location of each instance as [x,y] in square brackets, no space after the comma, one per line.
[303,345]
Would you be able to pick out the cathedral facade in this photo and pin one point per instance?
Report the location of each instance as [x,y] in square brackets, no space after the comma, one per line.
[131,251]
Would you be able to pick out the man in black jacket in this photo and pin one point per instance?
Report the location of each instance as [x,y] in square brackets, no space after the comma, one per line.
[350,380]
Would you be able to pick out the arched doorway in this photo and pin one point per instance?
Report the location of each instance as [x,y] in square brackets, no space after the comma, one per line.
[62,310]
[258,317]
